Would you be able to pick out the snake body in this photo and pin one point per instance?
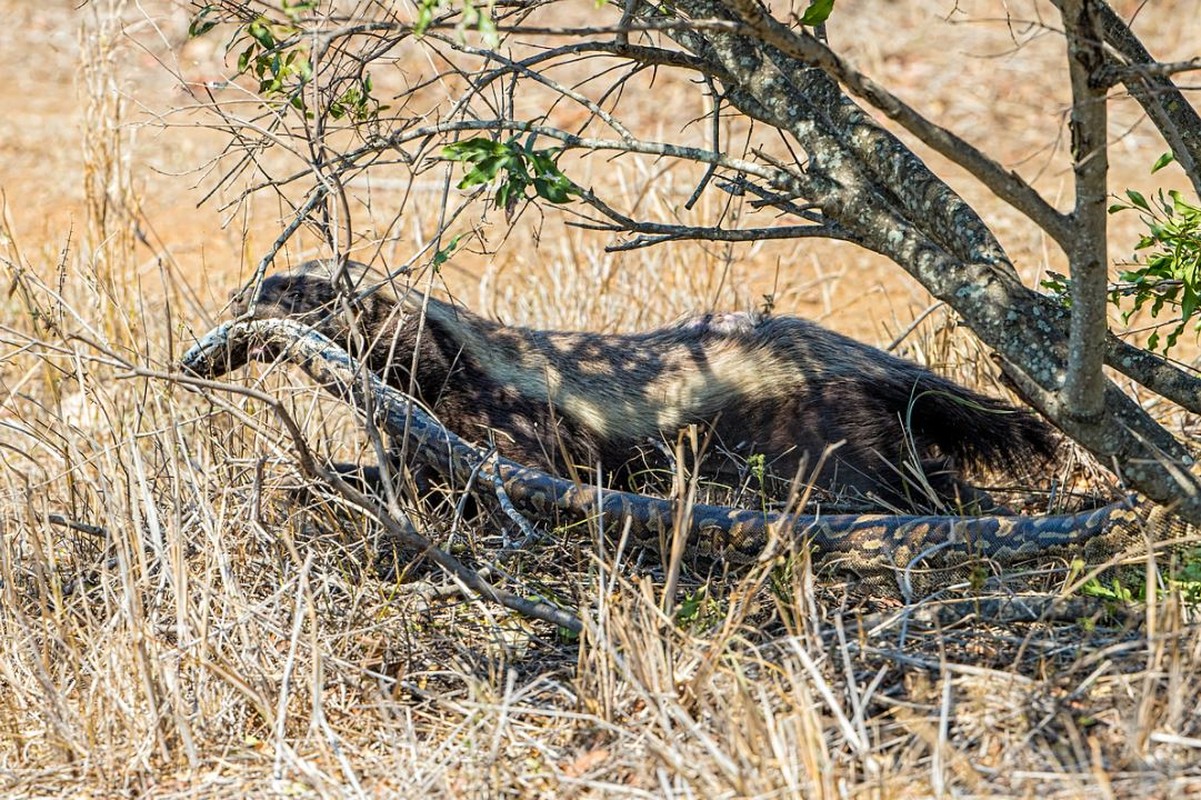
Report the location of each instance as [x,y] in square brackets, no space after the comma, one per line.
[877,550]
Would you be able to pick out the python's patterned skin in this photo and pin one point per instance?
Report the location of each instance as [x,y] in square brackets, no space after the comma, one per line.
[884,553]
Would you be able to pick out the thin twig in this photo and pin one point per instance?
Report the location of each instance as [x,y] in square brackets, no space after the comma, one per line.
[98,531]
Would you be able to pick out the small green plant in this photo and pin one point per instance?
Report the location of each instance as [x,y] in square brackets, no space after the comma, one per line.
[1115,590]
[698,610]
[757,463]
[1184,578]
[1187,579]
[519,167]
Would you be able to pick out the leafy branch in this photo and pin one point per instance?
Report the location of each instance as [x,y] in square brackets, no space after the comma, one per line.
[1168,273]
[1165,272]
[520,168]
[277,56]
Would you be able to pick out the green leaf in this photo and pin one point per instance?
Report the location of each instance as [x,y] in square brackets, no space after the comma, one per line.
[474,177]
[1116,591]
[1188,302]
[817,12]
[1058,285]
[505,196]
[443,255]
[555,190]
[201,24]
[245,56]
[474,149]
[1163,161]
[488,168]
[1138,200]
[1181,207]
[542,161]
[688,610]
[261,33]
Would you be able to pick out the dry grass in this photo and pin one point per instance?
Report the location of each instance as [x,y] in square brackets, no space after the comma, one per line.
[199,632]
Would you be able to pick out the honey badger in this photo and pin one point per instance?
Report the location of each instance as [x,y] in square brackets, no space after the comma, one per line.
[780,387]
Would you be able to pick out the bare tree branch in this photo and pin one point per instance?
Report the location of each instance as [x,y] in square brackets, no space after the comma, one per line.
[1160,69]
[657,232]
[1006,184]
[1176,119]
[1155,373]
[1083,385]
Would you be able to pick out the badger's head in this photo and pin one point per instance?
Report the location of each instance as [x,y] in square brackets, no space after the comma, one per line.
[315,295]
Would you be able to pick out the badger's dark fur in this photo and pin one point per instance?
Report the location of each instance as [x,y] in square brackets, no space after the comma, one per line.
[782,387]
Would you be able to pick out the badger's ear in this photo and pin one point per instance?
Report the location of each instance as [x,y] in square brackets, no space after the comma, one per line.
[237,301]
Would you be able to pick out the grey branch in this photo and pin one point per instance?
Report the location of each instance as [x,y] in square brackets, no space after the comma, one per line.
[1176,119]
[1006,184]
[1084,385]
[657,232]
[1155,373]
[1160,69]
